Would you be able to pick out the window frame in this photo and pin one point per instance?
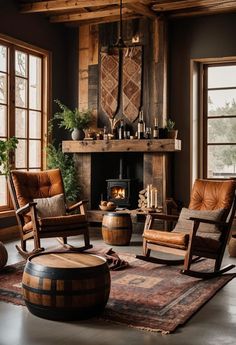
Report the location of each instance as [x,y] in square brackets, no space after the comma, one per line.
[198,164]
[206,116]
[14,45]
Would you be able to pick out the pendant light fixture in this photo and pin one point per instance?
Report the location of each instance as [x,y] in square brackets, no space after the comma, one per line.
[120,44]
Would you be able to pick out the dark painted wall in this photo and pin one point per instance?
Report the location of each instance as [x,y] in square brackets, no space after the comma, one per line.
[199,37]
[58,39]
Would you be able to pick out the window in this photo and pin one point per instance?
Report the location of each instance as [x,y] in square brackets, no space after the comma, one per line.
[219,120]
[23,101]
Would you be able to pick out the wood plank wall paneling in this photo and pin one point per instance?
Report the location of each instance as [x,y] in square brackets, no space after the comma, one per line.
[83,165]
[154,39]
[88,68]
[84,35]
[154,172]
[93,85]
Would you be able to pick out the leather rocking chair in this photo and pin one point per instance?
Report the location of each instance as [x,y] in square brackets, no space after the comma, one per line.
[41,211]
[201,231]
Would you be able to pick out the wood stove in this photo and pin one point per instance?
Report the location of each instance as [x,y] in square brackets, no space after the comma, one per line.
[118,190]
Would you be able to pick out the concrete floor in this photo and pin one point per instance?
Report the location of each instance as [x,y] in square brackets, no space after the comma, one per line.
[213,324]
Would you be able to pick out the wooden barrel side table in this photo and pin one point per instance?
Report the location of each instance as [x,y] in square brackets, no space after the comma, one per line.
[117,228]
[66,286]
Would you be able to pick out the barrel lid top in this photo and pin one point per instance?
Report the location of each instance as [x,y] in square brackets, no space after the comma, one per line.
[117,214]
[67,260]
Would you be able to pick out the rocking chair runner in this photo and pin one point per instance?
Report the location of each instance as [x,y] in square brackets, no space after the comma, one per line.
[40,206]
[201,231]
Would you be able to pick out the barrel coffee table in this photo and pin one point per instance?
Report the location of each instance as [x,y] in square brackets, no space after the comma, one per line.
[66,285]
[117,228]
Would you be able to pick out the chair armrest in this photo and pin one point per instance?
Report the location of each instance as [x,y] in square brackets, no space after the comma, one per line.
[167,217]
[207,221]
[25,209]
[81,204]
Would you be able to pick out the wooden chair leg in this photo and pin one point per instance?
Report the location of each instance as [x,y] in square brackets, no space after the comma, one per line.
[36,241]
[86,239]
[146,251]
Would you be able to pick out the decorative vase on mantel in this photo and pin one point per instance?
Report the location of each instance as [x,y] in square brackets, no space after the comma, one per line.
[77,134]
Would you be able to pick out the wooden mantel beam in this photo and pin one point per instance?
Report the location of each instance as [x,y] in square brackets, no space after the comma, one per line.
[67,5]
[72,17]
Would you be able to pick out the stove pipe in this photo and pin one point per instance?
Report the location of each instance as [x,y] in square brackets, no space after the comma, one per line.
[121,169]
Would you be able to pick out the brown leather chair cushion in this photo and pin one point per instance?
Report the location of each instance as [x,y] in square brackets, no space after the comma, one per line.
[32,185]
[211,195]
[169,239]
[53,223]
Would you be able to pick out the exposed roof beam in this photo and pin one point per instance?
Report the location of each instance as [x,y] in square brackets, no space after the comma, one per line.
[67,5]
[203,11]
[141,9]
[103,20]
[167,5]
[72,17]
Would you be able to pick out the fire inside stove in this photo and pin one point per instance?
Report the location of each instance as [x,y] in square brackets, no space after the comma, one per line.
[118,193]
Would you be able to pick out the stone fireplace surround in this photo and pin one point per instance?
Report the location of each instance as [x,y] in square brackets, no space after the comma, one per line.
[95,163]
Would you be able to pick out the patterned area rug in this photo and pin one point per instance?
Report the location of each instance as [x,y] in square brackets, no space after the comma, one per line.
[143,295]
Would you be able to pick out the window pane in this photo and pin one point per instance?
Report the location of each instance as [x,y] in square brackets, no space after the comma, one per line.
[223,76]
[3,58]
[3,88]
[222,130]
[21,123]
[221,102]
[21,64]
[35,82]
[3,191]
[21,154]
[34,153]
[3,120]
[35,124]
[21,92]
[221,161]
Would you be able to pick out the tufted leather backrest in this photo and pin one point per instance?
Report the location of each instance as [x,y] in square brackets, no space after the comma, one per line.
[33,185]
[212,195]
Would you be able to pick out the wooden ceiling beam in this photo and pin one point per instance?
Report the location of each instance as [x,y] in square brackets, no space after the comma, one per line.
[67,5]
[167,5]
[141,9]
[103,20]
[72,17]
[203,11]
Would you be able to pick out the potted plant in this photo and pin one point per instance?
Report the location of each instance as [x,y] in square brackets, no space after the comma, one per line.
[6,147]
[171,131]
[58,159]
[75,120]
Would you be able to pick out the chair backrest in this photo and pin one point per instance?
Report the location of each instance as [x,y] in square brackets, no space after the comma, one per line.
[213,195]
[26,186]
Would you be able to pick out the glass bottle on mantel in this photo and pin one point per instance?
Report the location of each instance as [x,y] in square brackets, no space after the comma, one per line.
[141,125]
[121,130]
[155,129]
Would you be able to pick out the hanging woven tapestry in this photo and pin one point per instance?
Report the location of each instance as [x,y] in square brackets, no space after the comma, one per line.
[110,82]
[132,82]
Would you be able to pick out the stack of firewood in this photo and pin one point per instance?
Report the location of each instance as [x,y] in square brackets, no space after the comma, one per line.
[142,201]
[148,198]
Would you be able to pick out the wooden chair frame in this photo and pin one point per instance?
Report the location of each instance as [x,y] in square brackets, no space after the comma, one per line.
[190,254]
[36,234]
